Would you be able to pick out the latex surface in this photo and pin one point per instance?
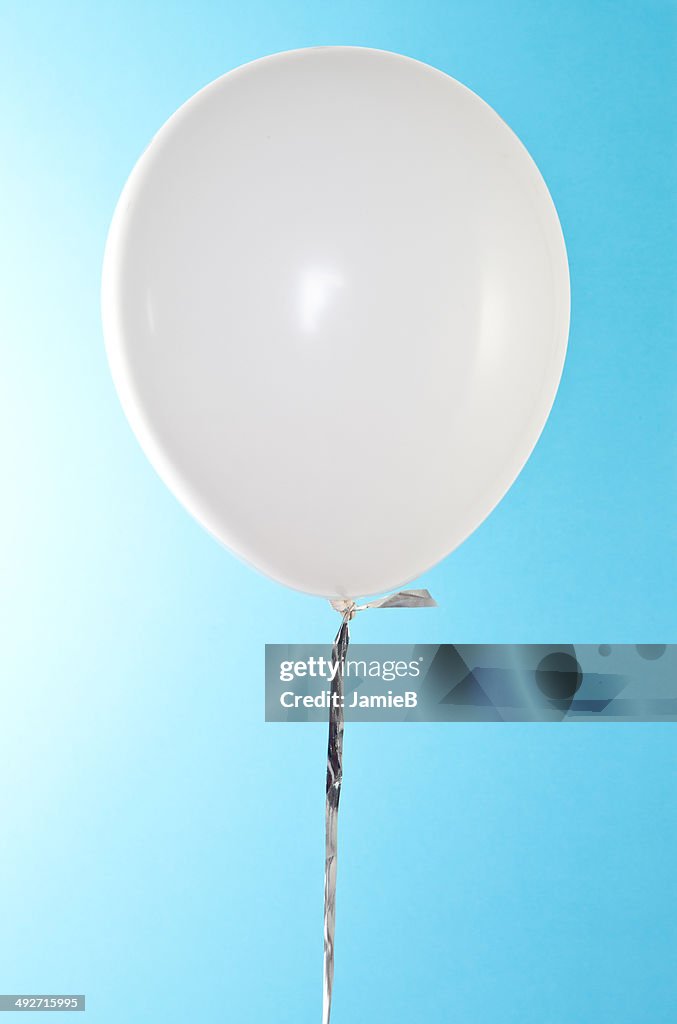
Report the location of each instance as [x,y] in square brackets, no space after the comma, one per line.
[336,306]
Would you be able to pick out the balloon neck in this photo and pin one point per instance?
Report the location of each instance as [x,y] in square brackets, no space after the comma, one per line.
[345,608]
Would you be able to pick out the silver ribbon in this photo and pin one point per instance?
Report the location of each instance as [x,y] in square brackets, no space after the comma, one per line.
[347,609]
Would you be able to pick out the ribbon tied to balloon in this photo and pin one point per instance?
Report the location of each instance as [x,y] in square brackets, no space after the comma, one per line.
[336,249]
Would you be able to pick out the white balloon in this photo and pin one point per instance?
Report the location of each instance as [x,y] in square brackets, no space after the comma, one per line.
[336,307]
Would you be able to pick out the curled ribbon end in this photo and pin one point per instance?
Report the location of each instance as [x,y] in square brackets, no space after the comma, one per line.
[400,599]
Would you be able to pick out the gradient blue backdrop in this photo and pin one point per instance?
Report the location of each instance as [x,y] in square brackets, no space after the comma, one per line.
[161,848]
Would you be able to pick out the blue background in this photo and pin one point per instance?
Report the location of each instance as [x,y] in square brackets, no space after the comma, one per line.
[160,845]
